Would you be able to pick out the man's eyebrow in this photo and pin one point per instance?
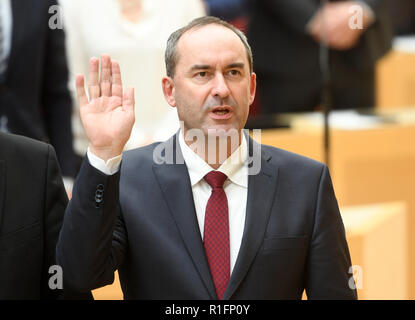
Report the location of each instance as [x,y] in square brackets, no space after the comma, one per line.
[240,65]
[200,67]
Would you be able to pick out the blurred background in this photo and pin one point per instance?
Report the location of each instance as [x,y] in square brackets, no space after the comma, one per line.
[336,83]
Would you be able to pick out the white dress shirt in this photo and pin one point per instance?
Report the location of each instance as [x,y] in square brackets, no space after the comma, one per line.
[6,20]
[236,187]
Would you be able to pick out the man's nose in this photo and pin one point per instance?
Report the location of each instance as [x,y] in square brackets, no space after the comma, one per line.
[220,87]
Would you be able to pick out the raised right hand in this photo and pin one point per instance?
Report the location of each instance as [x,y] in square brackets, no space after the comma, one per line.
[108,115]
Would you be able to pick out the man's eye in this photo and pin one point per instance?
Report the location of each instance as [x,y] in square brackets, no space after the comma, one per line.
[234,72]
[202,74]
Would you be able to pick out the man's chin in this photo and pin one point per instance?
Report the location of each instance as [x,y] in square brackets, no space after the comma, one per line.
[222,131]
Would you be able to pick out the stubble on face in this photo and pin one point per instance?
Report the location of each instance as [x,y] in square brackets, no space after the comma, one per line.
[213,50]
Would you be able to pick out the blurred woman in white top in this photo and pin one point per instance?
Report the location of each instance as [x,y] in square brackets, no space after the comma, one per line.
[133,32]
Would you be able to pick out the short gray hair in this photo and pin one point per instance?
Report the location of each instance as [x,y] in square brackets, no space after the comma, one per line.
[171,55]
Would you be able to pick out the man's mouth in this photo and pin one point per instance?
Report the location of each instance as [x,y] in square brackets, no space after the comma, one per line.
[221,112]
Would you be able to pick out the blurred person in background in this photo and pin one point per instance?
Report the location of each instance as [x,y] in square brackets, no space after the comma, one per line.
[133,32]
[233,11]
[34,96]
[285,36]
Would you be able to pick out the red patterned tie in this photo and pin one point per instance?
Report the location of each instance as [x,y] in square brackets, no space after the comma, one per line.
[216,232]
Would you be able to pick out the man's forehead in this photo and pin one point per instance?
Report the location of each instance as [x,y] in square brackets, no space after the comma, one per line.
[210,36]
[209,33]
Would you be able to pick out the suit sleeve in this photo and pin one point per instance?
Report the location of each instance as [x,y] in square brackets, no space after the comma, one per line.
[55,201]
[56,99]
[327,275]
[92,242]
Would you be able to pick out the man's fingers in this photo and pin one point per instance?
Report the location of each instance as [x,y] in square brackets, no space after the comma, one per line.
[105,82]
[80,90]
[93,79]
[129,100]
[116,79]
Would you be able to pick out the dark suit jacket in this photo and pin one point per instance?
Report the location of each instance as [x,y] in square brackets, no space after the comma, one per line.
[34,94]
[32,204]
[142,221]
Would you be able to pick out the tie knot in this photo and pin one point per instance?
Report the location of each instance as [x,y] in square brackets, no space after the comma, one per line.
[215,179]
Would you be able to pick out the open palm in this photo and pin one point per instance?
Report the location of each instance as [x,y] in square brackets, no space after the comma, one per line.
[108,114]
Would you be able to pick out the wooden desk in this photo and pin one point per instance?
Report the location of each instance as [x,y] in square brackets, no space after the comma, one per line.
[110,292]
[395,80]
[377,238]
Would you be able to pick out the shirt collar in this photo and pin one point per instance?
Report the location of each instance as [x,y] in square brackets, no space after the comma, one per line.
[234,167]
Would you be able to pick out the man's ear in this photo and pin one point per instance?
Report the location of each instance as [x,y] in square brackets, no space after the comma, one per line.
[252,88]
[168,90]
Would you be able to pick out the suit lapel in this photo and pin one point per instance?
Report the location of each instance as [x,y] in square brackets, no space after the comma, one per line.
[261,196]
[2,188]
[174,181]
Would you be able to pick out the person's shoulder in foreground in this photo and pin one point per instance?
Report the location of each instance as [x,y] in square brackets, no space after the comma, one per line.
[32,204]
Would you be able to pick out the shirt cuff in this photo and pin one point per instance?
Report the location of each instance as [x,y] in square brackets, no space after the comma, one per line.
[109,167]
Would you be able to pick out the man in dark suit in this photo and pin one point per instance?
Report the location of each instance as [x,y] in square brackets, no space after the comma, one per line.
[285,36]
[34,97]
[179,223]
[32,204]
